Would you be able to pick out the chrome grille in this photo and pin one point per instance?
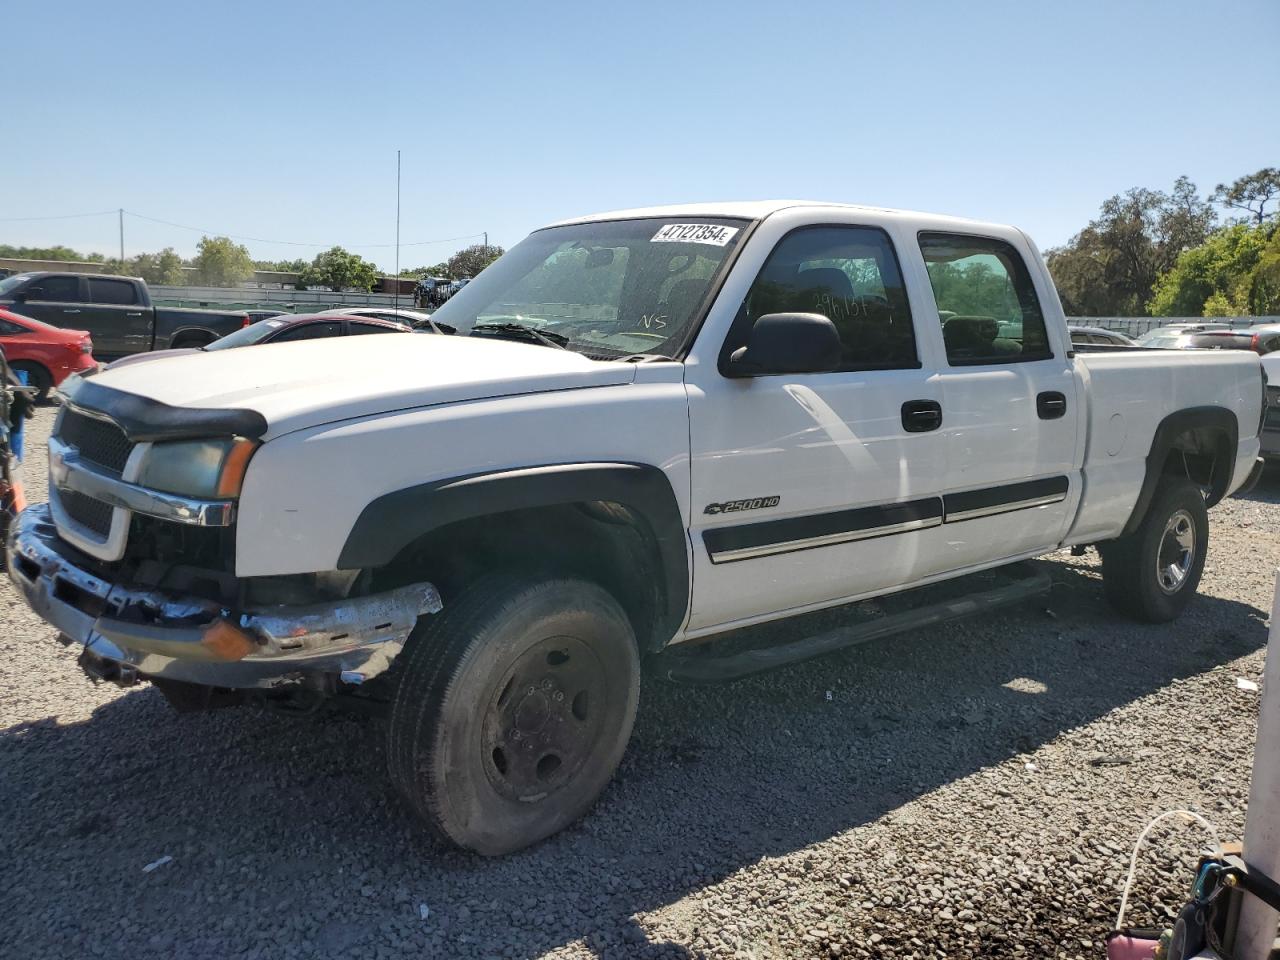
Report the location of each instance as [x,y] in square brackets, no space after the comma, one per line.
[93,515]
[98,441]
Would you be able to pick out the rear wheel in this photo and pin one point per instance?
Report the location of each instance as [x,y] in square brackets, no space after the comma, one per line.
[1154,572]
[513,710]
[37,376]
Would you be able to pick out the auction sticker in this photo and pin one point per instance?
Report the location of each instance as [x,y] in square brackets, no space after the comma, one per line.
[708,233]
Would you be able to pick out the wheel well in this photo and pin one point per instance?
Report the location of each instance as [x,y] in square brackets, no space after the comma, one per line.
[597,540]
[35,365]
[191,338]
[1202,455]
[1198,443]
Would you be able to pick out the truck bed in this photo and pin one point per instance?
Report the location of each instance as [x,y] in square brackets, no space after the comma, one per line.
[1126,393]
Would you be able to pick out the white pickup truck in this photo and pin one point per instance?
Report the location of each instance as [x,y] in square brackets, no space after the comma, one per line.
[633,431]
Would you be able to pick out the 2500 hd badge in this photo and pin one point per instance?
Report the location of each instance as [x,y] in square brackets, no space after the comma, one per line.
[737,506]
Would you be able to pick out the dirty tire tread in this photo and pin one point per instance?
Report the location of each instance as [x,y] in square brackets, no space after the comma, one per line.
[1128,564]
[439,658]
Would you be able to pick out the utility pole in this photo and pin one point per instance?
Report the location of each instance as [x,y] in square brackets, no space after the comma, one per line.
[121,211]
[397,280]
[486,241]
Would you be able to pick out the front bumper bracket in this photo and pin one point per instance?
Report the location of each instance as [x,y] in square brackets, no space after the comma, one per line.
[137,631]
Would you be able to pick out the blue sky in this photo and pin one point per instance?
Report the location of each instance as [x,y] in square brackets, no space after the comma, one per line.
[281,120]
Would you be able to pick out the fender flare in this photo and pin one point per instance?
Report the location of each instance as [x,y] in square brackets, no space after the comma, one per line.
[393,521]
[1218,419]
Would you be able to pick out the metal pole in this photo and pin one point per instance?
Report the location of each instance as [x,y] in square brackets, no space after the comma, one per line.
[121,238]
[397,280]
[486,241]
[1257,929]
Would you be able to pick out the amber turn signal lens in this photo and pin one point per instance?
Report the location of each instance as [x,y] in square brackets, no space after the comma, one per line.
[233,467]
[227,641]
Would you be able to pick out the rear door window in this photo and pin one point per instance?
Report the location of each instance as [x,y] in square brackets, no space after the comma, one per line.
[987,304]
[310,331]
[117,292]
[357,328]
[10,329]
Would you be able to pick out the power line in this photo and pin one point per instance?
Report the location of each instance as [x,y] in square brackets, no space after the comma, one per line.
[291,243]
[65,216]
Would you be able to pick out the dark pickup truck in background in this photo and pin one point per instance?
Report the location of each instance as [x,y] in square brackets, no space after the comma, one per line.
[117,311]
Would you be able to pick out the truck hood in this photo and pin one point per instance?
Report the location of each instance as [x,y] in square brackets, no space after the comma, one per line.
[309,383]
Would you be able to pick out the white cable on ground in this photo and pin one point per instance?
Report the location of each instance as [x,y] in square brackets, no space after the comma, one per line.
[1133,860]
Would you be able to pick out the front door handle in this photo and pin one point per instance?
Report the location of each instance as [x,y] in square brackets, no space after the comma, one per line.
[133,314]
[1051,405]
[921,416]
[70,311]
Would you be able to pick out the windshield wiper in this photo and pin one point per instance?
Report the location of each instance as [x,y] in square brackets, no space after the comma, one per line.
[429,324]
[644,358]
[547,339]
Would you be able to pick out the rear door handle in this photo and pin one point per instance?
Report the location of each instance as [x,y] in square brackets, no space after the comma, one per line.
[1051,405]
[134,314]
[70,311]
[921,416]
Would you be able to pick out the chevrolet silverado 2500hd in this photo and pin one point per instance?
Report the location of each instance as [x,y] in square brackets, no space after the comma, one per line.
[633,431]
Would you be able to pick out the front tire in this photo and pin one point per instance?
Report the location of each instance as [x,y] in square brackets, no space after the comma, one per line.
[513,710]
[1153,573]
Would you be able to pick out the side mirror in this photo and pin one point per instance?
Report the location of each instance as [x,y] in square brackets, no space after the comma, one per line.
[22,296]
[787,343]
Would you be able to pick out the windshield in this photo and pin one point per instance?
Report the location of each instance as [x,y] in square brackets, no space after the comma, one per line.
[250,334]
[10,283]
[608,289]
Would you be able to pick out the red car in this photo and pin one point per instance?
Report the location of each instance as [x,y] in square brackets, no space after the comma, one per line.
[48,355]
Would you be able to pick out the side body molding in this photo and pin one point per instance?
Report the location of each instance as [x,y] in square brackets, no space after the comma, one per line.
[394,520]
[1217,420]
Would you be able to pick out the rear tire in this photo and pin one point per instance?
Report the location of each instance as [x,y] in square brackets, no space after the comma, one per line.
[514,708]
[37,376]
[1153,573]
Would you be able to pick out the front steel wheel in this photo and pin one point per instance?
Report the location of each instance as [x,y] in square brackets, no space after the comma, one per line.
[513,710]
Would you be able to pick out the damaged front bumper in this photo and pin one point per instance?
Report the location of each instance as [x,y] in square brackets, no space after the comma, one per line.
[134,631]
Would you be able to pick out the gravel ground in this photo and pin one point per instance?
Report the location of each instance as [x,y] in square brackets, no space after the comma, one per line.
[971,790]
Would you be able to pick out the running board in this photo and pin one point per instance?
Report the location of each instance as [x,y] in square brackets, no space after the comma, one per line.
[706,665]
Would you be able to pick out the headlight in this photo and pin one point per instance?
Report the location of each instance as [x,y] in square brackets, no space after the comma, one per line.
[210,469]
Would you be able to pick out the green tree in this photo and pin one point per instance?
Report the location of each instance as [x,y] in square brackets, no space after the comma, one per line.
[1264,285]
[1214,278]
[221,262]
[1112,265]
[48,253]
[282,266]
[163,268]
[1252,193]
[471,260]
[338,269]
